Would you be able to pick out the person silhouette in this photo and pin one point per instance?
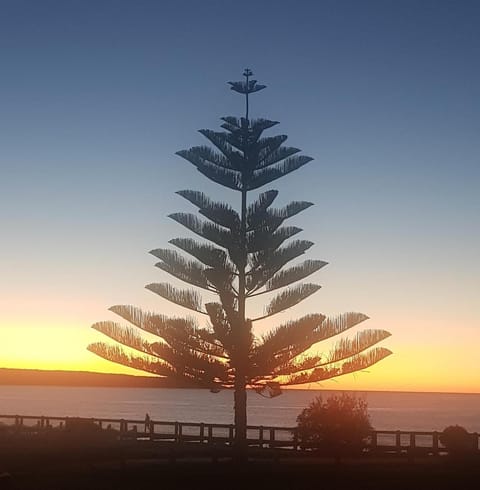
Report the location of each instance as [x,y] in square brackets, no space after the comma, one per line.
[147,422]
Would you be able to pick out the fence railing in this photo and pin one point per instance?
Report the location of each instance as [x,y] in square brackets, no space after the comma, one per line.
[386,441]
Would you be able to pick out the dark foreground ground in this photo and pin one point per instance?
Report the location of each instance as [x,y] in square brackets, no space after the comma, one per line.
[190,475]
[52,466]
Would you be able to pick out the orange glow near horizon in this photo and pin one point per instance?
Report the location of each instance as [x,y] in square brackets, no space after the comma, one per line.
[410,368]
[52,332]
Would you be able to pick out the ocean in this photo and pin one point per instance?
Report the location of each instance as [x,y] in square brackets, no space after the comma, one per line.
[388,410]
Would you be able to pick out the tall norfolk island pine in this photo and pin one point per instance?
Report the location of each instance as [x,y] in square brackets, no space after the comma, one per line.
[244,255]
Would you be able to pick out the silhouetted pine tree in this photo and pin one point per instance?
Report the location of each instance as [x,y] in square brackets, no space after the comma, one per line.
[244,255]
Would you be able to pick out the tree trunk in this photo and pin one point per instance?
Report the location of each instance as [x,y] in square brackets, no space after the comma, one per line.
[241,355]
[240,408]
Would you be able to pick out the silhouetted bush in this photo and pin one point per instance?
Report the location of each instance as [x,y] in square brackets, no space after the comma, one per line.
[457,440]
[338,425]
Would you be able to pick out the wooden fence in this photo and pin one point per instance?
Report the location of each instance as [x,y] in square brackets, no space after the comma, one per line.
[379,441]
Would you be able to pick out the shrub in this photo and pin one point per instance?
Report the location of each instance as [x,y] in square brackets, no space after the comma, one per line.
[340,424]
[457,440]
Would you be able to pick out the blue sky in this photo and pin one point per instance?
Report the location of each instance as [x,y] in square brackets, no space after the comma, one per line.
[97,96]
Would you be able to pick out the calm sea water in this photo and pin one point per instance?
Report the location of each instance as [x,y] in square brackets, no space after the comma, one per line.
[388,411]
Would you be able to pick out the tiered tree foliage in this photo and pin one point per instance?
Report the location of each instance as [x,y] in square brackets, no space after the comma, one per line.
[242,255]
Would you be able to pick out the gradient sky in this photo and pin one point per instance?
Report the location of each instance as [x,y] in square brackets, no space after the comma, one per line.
[97,96]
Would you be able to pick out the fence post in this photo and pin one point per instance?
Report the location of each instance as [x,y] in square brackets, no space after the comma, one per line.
[260,436]
[475,440]
[230,434]
[411,447]
[398,442]
[435,442]
[374,441]
[178,432]
[295,440]
[412,440]
[151,430]
[272,437]
[210,434]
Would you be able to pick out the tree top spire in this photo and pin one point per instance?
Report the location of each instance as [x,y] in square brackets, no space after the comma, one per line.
[246,87]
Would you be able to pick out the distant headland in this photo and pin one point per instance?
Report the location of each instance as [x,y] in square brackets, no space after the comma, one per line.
[82,378]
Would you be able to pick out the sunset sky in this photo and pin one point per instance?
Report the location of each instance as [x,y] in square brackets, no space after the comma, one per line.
[96,97]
